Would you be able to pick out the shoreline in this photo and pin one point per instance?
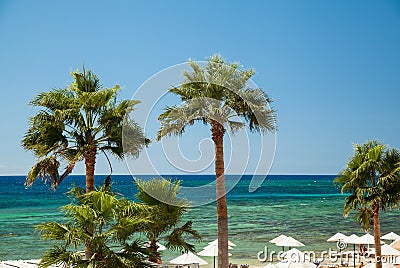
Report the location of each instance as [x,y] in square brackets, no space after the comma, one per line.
[251,263]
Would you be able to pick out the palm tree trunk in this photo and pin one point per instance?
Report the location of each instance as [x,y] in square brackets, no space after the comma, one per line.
[154,248]
[377,236]
[90,161]
[222,210]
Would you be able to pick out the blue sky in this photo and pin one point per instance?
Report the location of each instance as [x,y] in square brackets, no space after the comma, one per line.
[332,67]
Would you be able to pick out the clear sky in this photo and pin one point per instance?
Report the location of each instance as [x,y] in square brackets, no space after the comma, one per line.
[332,67]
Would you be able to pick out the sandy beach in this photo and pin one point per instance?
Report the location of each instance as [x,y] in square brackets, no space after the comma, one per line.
[251,263]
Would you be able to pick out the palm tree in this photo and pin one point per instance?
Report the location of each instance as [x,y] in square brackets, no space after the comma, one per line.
[114,221]
[162,196]
[217,95]
[76,123]
[372,179]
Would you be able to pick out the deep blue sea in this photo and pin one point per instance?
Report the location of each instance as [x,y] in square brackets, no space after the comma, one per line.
[307,207]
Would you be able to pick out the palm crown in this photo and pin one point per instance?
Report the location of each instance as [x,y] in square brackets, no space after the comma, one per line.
[162,196]
[371,176]
[76,123]
[217,93]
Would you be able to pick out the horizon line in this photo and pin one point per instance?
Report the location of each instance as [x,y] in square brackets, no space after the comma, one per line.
[180,174]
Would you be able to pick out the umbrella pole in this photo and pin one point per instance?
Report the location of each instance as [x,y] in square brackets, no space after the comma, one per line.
[354,255]
[214,261]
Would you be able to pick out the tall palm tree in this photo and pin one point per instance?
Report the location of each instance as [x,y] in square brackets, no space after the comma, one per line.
[76,123]
[372,179]
[217,95]
[162,196]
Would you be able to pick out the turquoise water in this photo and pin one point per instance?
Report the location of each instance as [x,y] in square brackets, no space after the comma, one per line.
[307,207]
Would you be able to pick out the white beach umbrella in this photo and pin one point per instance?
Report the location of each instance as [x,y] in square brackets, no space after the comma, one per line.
[188,258]
[289,242]
[295,255]
[367,239]
[215,242]
[384,265]
[211,251]
[353,239]
[277,239]
[337,237]
[390,236]
[387,250]
[396,244]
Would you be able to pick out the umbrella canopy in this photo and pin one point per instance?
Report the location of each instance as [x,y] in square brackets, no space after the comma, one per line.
[289,242]
[387,250]
[277,239]
[384,265]
[188,258]
[396,244]
[215,242]
[352,239]
[211,251]
[390,236]
[337,237]
[367,239]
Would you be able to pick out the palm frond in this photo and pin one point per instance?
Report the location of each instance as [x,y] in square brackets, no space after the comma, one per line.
[131,139]
[364,218]
[175,119]
[60,256]
[253,105]
[58,99]
[46,169]
[44,135]
[176,240]
[61,232]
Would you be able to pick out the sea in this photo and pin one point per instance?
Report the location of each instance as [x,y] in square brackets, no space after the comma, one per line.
[306,207]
